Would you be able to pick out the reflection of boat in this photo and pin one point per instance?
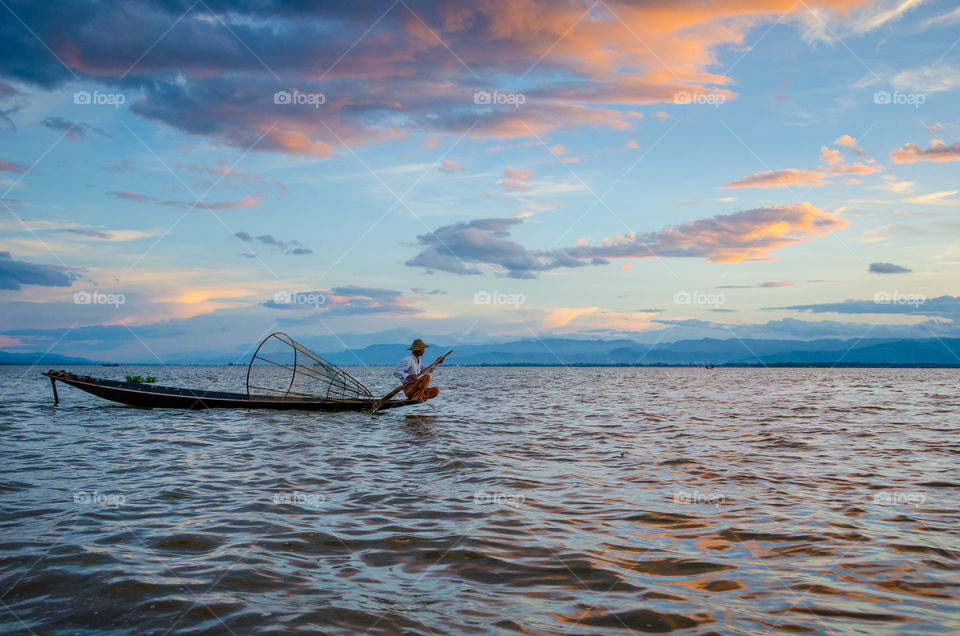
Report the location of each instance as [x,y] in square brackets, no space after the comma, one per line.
[282,374]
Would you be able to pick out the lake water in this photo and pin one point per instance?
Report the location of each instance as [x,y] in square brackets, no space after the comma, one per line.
[522,500]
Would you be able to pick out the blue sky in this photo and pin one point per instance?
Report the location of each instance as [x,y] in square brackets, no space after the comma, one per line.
[664,171]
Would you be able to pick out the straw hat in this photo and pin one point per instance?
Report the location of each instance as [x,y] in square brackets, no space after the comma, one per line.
[418,345]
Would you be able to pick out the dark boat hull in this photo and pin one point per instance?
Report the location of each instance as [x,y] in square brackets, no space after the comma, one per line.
[166,397]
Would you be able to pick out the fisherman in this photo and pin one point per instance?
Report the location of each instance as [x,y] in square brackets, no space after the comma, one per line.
[415,388]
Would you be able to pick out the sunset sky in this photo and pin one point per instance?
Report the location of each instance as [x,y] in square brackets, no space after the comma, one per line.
[182,177]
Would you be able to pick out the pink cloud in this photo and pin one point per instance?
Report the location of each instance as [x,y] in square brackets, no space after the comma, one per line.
[7,166]
[938,151]
[520,174]
[450,167]
[245,202]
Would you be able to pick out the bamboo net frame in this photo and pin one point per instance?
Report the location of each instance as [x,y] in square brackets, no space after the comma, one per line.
[309,377]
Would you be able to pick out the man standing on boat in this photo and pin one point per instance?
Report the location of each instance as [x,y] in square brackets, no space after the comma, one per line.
[407,370]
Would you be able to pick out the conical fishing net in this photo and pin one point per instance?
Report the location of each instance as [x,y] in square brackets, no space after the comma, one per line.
[282,367]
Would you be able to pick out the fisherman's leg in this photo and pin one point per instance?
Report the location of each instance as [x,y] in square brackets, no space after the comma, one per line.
[414,390]
[428,392]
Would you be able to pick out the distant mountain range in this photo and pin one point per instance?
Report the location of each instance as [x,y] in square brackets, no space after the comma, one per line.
[41,358]
[554,351]
[569,351]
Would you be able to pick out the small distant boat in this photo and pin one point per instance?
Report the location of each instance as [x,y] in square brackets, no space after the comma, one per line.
[109,364]
[289,378]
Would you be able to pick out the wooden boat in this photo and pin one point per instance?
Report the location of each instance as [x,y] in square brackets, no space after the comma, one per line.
[282,374]
[167,397]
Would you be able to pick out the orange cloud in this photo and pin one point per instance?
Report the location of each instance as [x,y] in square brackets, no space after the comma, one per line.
[415,73]
[297,142]
[813,177]
[849,142]
[746,235]
[830,156]
[938,151]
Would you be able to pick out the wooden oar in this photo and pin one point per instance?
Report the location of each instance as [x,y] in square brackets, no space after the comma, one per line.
[376,405]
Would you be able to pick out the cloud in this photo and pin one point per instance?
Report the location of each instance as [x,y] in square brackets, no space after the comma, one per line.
[14,274]
[788,177]
[849,142]
[125,165]
[8,166]
[747,235]
[224,173]
[812,177]
[777,283]
[516,180]
[938,151]
[246,202]
[940,306]
[349,300]
[293,248]
[450,167]
[459,247]
[521,174]
[830,156]
[888,268]
[109,235]
[793,328]
[927,80]
[936,198]
[831,24]
[74,130]
[942,20]
[215,74]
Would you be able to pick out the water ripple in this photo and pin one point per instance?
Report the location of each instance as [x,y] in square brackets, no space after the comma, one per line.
[579,501]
